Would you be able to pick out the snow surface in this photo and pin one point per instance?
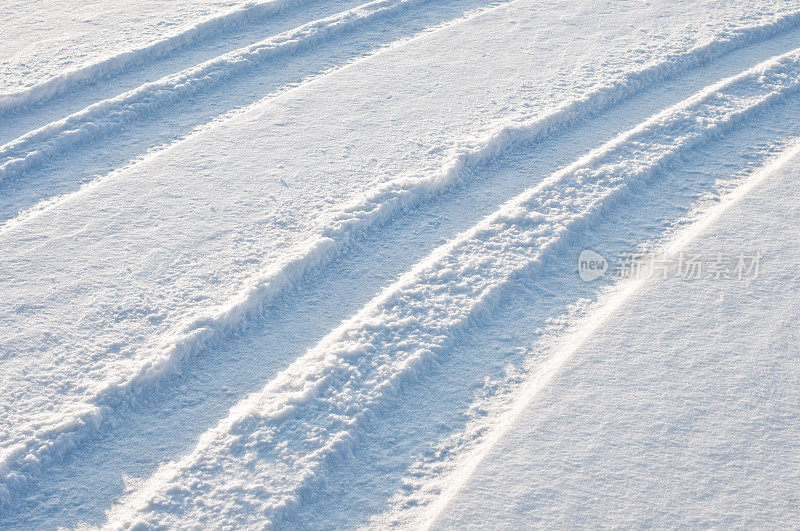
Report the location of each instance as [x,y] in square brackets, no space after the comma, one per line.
[246,246]
[679,409]
[338,382]
[42,39]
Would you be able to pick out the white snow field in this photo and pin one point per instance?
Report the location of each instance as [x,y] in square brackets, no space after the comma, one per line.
[315,264]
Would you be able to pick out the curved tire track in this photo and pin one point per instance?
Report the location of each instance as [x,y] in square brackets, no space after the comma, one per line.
[280,439]
[101,118]
[40,145]
[230,20]
[54,440]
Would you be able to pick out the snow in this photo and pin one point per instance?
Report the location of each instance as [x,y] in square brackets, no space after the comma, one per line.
[674,411]
[236,237]
[339,382]
[44,40]
[101,117]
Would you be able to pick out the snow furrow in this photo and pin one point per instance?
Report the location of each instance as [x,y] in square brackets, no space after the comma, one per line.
[96,120]
[209,27]
[268,453]
[44,440]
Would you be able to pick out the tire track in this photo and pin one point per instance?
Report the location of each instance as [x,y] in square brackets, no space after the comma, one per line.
[401,447]
[522,391]
[100,118]
[279,440]
[56,181]
[51,442]
[209,384]
[231,20]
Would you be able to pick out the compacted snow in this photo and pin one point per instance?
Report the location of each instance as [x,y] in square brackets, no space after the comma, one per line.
[315,264]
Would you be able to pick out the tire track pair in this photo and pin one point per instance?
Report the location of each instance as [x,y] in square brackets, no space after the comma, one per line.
[273,448]
[103,117]
[38,447]
[439,481]
[207,28]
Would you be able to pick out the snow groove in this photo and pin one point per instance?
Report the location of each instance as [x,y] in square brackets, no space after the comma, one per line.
[262,459]
[209,27]
[50,437]
[39,145]
[100,118]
